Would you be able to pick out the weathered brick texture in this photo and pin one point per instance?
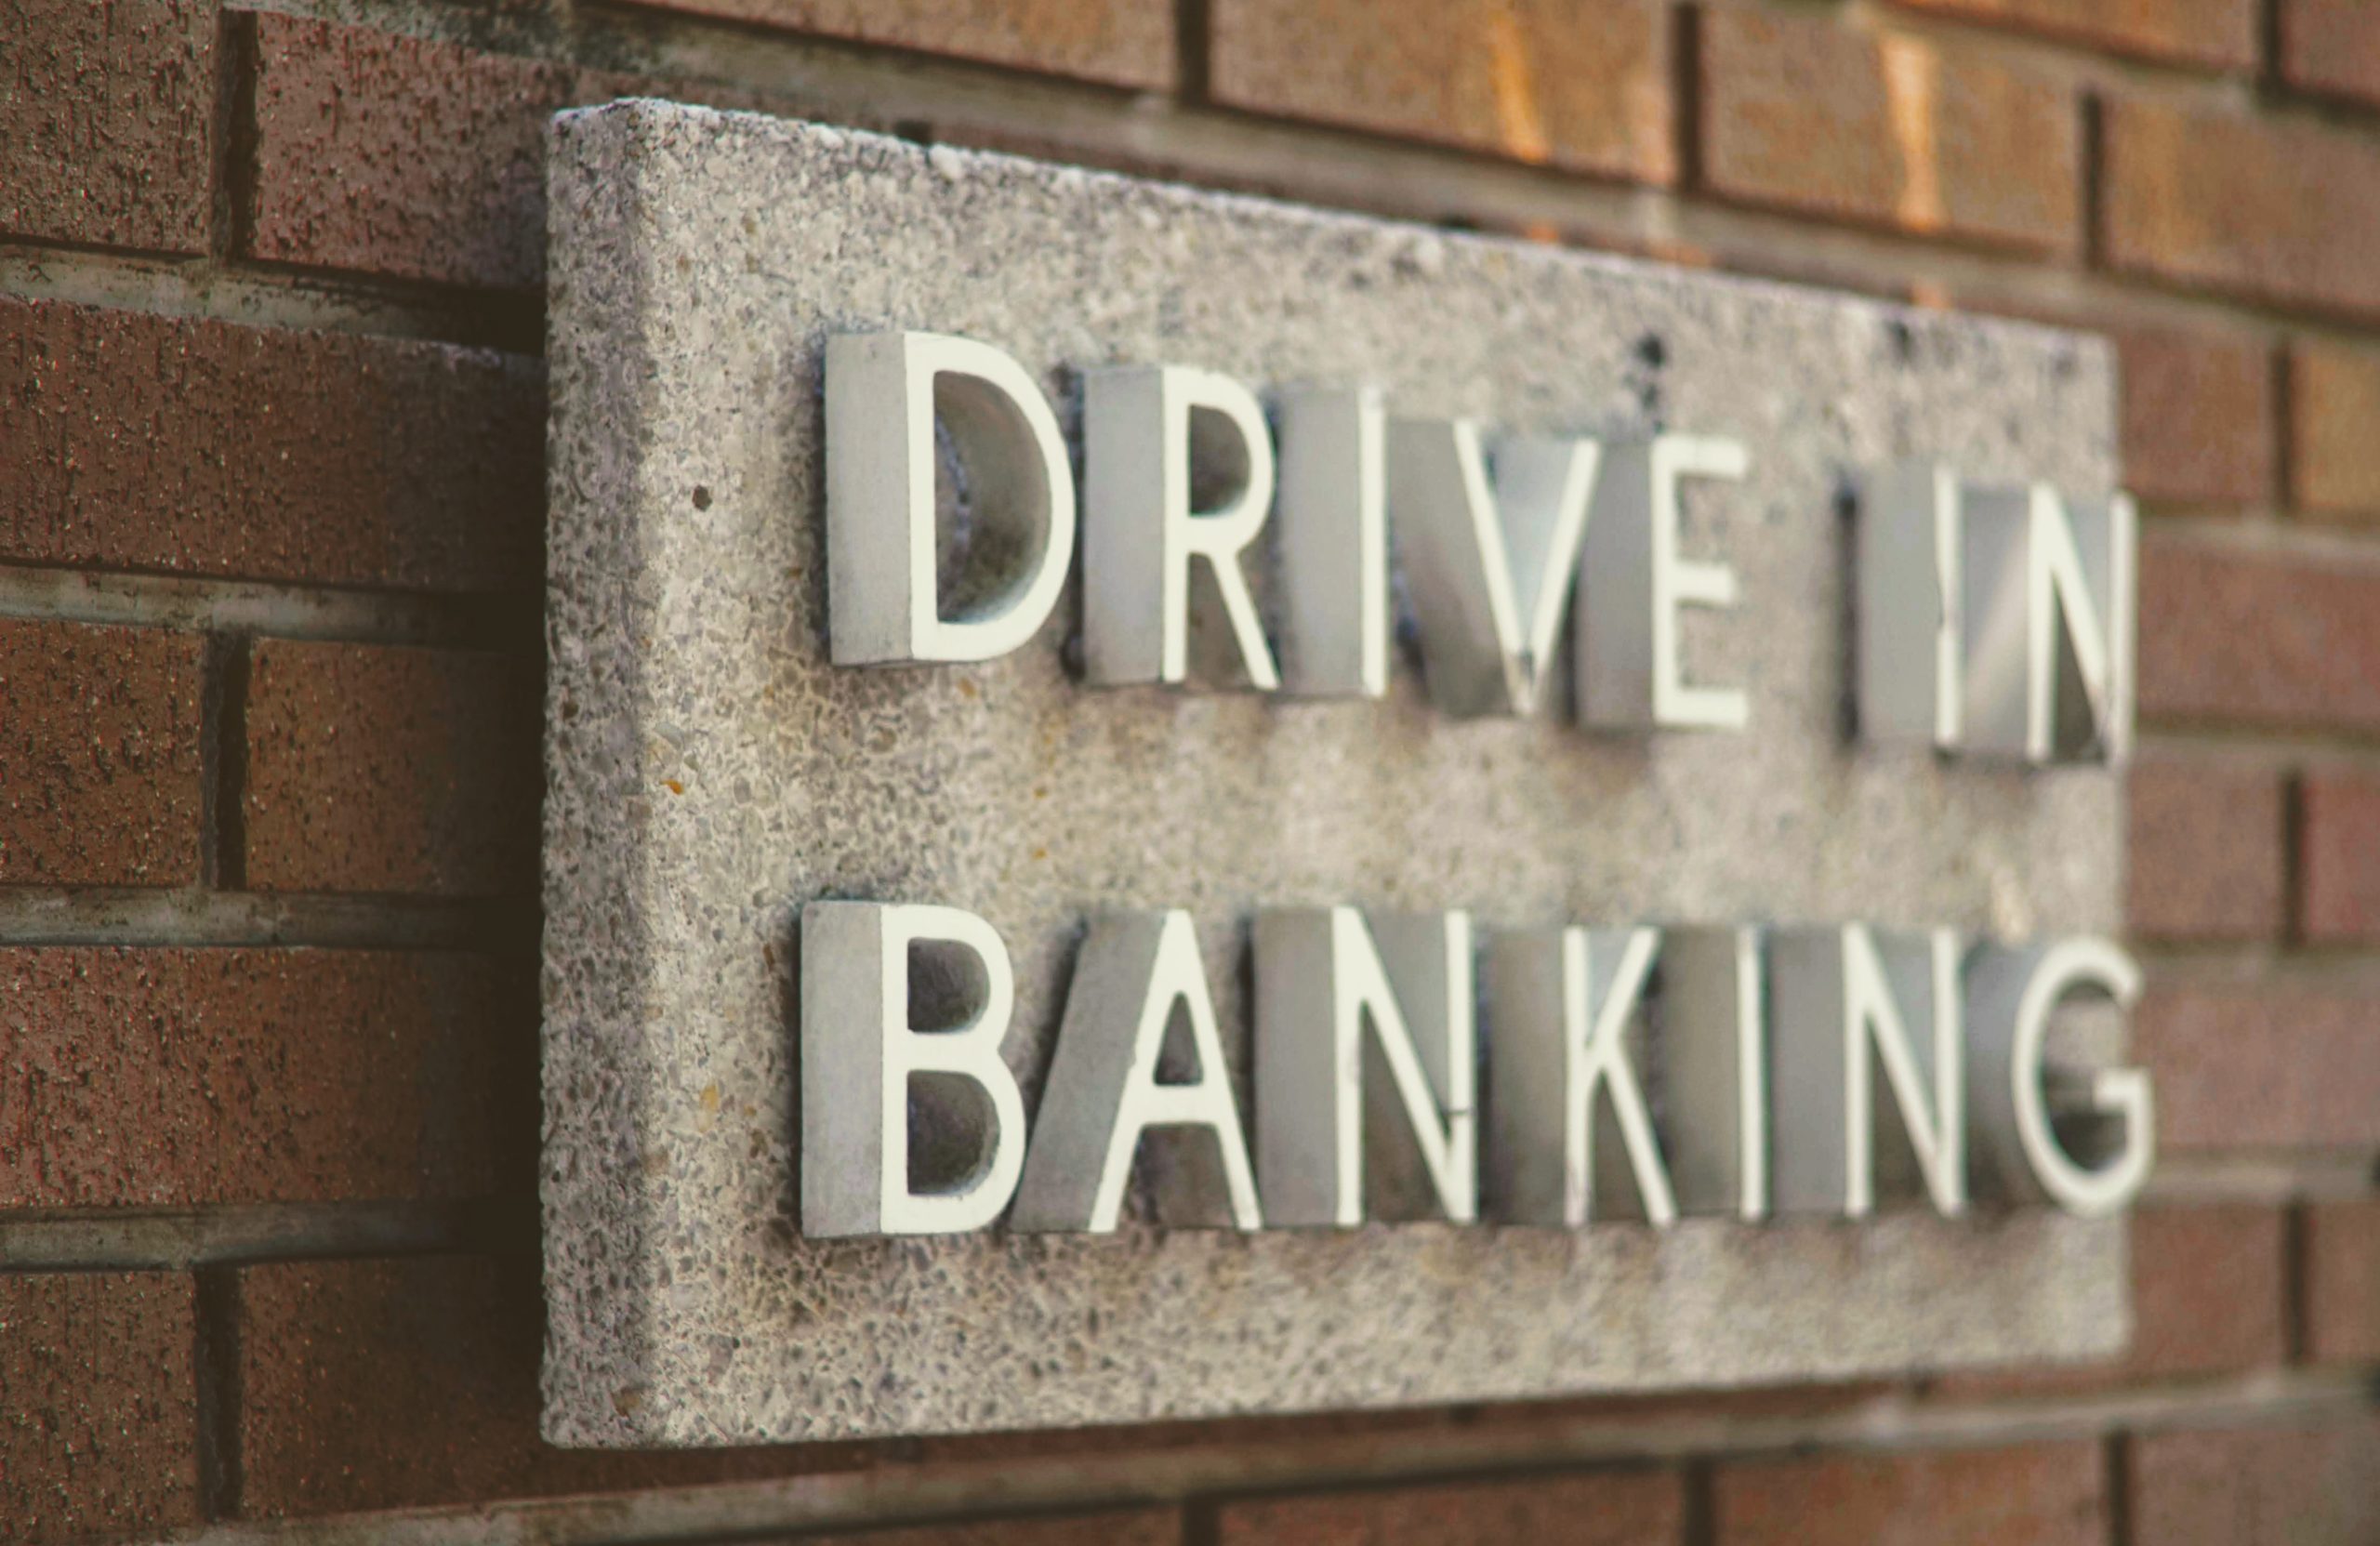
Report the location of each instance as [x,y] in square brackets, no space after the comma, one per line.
[2197,417]
[2209,1297]
[2338,856]
[175,1077]
[107,118]
[2332,47]
[1578,84]
[2048,1495]
[414,159]
[98,1430]
[2210,1290]
[2333,454]
[2261,1486]
[152,442]
[1121,42]
[399,156]
[411,158]
[379,1384]
[2251,1066]
[2204,852]
[373,769]
[99,762]
[374,1385]
[1887,129]
[2271,208]
[2219,34]
[2342,1279]
[1618,1509]
[2251,640]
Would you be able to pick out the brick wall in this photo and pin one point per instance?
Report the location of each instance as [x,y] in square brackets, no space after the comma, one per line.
[270,420]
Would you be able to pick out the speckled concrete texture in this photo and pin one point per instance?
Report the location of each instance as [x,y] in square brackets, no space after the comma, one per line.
[710,772]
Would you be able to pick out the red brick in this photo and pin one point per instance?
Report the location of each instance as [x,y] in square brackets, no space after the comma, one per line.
[2245,638]
[1800,112]
[2333,460]
[2204,854]
[2261,1067]
[2197,417]
[2048,1495]
[1619,1509]
[2207,1287]
[99,762]
[2331,47]
[380,1385]
[2218,32]
[1138,1527]
[1579,84]
[399,156]
[107,122]
[198,447]
[179,1078]
[2209,1290]
[2342,1277]
[411,1382]
[2264,1487]
[2339,857]
[373,768]
[2277,209]
[98,1409]
[1122,42]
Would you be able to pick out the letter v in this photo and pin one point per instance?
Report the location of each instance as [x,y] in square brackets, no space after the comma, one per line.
[1479,548]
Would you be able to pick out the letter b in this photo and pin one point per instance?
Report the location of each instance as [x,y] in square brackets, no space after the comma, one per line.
[868,1069]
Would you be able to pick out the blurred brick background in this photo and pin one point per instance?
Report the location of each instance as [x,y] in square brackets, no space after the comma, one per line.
[271,437]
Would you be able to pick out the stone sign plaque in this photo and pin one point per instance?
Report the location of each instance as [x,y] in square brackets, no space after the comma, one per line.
[738,306]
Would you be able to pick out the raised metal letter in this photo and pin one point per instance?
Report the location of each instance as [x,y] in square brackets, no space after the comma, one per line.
[2011,995]
[1562,1003]
[1331,538]
[1908,633]
[1141,532]
[1848,1000]
[861,1052]
[2047,625]
[884,392]
[1714,1017]
[1104,1090]
[1632,582]
[1477,552]
[1319,979]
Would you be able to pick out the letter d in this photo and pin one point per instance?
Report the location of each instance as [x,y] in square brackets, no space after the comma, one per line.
[884,393]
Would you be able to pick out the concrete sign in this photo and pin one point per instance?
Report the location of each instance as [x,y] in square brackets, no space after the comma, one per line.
[1163,805]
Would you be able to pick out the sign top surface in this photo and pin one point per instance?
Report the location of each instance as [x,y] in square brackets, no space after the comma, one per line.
[709,773]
